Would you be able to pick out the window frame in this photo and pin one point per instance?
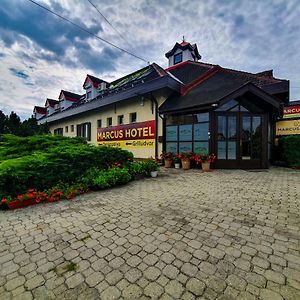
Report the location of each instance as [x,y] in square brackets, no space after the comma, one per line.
[131,115]
[180,54]
[72,128]
[99,123]
[120,119]
[109,120]
[84,130]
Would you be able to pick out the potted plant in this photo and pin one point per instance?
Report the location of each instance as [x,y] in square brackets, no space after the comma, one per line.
[151,167]
[177,162]
[206,160]
[168,158]
[186,158]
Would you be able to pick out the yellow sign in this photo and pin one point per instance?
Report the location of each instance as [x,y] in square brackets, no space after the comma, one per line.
[149,143]
[289,127]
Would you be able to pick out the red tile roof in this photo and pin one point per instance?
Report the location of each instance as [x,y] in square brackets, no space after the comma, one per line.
[40,110]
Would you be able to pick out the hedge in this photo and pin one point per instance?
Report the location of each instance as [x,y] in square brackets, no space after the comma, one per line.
[291,150]
[44,161]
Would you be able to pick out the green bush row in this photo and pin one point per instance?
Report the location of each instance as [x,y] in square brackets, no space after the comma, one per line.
[59,162]
[291,150]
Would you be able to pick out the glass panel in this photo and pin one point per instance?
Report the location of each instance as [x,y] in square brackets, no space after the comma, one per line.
[201,147]
[185,147]
[231,127]
[171,147]
[171,133]
[231,150]
[246,137]
[221,127]
[185,132]
[221,150]
[242,108]
[204,117]
[228,106]
[201,131]
[256,138]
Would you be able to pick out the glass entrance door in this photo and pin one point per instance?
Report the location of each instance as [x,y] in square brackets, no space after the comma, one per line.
[238,140]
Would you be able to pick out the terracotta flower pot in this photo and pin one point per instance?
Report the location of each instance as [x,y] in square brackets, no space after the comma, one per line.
[168,163]
[205,166]
[186,164]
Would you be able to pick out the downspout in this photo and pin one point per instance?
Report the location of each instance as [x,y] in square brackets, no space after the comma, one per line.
[154,100]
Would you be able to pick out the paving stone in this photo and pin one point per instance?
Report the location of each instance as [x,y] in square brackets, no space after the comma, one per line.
[152,273]
[200,254]
[237,282]
[174,288]
[153,290]
[74,280]
[256,279]
[132,291]
[133,275]
[195,286]
[114,277]
[111,293]
[266,294]
[275,276]
[94,279]
[189,269]
[34,282]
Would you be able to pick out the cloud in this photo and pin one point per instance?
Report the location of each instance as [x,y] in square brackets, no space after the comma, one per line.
[246,35]
[19,73]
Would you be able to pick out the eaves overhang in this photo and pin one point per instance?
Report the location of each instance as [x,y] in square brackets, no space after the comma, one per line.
[147,87]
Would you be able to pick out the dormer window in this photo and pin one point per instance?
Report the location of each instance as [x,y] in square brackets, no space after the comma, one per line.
[177,58]
[88,95]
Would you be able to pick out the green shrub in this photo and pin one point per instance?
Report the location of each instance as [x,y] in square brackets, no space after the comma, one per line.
[144,167]
[100,179]
[59,160]
[291,150]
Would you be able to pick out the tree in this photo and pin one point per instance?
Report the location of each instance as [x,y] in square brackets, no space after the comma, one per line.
[3,122]
[14,123]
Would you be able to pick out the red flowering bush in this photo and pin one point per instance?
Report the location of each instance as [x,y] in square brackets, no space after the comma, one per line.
[186,155]
[203,158]
[57,193]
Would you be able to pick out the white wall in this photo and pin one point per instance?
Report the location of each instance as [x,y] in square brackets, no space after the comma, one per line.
[186,55]
[144,113]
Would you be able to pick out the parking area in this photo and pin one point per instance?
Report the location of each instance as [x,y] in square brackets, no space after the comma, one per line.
[226,234]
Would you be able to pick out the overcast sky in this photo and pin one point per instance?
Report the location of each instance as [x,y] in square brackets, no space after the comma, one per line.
[41,54]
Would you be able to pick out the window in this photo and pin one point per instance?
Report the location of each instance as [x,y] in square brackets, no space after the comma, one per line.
[99,123]
[177,58]
[72,128]
[185,133]
[88,95]
[132,117]
[59,131]
[66,129]
[108,122]
[84,130]
[120,119]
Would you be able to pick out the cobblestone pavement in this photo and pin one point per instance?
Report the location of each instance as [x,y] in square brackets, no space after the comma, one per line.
[226,234]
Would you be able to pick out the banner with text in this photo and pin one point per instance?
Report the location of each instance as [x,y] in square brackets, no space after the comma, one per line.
[291,112]
[289,127]
[135,135]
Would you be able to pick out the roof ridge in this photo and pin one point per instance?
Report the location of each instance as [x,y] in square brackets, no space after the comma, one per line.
[211,72]
[257,75]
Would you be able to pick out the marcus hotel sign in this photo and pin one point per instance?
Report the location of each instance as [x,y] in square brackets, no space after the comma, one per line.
[135,135]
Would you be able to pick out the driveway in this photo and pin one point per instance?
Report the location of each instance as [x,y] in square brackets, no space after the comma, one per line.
[226,234]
